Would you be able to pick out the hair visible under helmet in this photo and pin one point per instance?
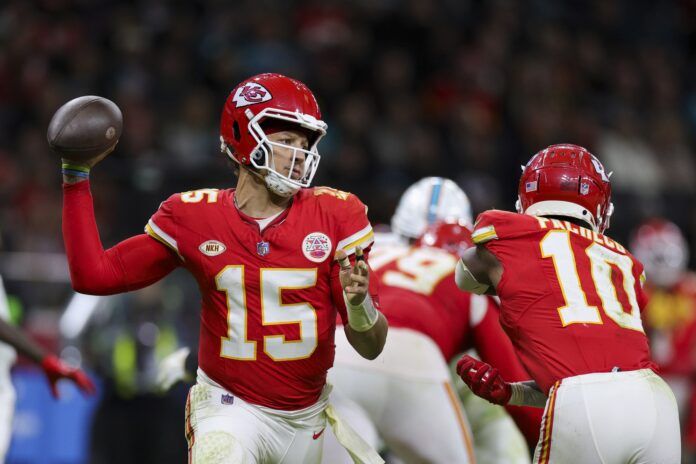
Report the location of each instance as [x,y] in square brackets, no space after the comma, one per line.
[265,104]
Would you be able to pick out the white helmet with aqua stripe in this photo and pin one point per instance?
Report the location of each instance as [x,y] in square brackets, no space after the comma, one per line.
[430,200]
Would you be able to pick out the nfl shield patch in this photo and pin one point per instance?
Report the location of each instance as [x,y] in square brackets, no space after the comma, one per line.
[263,248]
[584,188]
[227,399]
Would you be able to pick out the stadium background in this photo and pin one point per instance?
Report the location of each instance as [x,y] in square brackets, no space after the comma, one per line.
[463,89]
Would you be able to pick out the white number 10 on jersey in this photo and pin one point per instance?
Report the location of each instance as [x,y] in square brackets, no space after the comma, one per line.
[556,245]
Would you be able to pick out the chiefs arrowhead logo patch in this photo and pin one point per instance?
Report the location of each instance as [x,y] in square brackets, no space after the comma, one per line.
[251,93]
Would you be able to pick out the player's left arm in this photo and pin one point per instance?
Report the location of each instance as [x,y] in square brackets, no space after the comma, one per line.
[366,328]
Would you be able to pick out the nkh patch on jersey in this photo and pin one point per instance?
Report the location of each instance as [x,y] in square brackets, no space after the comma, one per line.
[251,94]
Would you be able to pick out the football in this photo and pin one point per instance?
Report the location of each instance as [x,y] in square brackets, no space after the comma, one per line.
[85,127]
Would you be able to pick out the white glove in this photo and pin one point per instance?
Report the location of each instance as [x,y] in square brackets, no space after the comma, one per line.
[171,369]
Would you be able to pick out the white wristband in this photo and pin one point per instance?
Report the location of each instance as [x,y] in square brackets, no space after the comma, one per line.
[362,317]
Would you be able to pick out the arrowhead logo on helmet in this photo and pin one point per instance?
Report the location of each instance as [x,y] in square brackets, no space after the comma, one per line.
[250,94]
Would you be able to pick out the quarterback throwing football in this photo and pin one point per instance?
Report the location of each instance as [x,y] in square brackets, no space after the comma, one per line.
[571,301]
[274,261]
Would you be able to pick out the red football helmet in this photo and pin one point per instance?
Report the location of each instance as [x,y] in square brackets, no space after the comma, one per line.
[566,180]
[269,103]
[449,235]
[663,250]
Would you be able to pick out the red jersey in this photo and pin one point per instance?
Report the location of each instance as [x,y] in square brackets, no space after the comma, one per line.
[269,298]
[418,292]
[570,298]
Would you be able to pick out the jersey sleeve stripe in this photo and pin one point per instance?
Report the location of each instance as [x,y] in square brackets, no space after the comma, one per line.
[161,236]
[364,242]
[353,240]
[484,234]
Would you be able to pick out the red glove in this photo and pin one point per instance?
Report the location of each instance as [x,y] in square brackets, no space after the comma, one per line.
[484,380]
[56,369]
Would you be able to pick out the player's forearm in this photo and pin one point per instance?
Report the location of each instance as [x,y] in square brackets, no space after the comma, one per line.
[369,344]
[527,394]
[23,344]
[132,264]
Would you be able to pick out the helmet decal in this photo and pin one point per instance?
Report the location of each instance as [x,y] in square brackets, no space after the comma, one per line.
[434,200]
[250,94]
[600,169]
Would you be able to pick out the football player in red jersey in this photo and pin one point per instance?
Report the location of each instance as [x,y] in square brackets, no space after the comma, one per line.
[571,300]
[670,315]
[274,260]
[407,397]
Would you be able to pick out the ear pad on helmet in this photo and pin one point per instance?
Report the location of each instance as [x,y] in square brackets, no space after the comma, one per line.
[259,157]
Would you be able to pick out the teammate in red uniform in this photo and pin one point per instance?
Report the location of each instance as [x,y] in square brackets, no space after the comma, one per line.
[408,393]
[263,256]
[570,301]
[670,315]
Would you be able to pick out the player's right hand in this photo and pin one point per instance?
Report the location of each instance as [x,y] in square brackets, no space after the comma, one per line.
[55,369]
[90,162]
[484,380]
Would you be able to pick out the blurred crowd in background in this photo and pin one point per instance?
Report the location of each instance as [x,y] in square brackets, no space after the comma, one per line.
[465,89]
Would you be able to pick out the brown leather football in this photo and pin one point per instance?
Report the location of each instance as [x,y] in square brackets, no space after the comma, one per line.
[85,127]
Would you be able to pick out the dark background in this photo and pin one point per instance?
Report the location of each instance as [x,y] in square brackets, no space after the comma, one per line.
[469,90]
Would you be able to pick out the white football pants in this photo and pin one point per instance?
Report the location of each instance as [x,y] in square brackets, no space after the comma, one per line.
[404,396]
[223,429]
[610,418]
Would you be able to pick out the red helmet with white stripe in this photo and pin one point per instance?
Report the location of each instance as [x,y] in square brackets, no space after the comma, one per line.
[269,103]
[566,180]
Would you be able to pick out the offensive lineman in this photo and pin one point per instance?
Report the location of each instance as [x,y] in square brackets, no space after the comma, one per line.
[407,391]
[570,301]
[263,256]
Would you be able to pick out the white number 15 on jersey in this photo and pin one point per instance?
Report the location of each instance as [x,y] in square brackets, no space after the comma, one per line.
[273,312]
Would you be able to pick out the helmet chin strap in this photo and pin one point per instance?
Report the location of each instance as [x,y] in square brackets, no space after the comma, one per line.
[278,185]
[274,182]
